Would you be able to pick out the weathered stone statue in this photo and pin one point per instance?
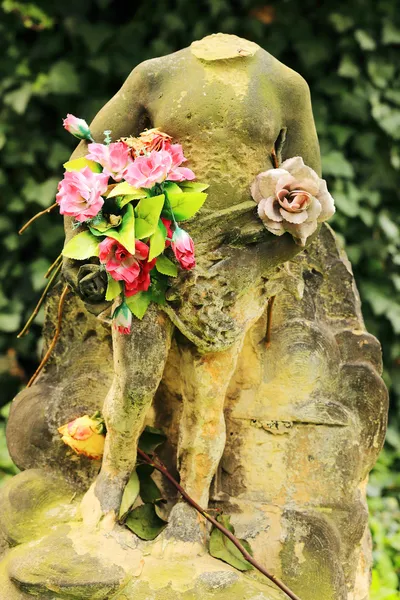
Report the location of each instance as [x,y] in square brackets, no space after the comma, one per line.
[281,436]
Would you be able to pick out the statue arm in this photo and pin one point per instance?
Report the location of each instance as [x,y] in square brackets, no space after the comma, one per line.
[301,136]
[125,114]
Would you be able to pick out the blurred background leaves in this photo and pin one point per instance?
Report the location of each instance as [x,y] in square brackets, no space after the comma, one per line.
[59,57]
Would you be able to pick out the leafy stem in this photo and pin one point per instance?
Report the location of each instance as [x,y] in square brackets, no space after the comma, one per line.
[157,464]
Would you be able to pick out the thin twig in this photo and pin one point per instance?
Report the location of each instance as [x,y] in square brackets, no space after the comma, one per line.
[39,214]
[275,160]
[41,300]
[55,264]
[156,463]
[54,340]
[269,321]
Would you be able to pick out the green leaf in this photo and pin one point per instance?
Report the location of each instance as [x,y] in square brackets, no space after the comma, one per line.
[186,204]
[63,78]
[124,200]
[80,163]
[139,303]
[193,186]
[335,163]
[365,40]
[166,266]
[221,547]
[348,68]
[390,33]
[150,439]
[18,99]
[126,189]
[114,288]
[81,246]
[125,234]
[145,522]
[147,215]
[131,492]
[157,240]
[149,491]
[171,187]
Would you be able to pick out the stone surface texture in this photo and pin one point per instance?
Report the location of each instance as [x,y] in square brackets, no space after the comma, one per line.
[281,436]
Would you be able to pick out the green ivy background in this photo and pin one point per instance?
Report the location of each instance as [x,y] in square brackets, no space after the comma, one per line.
[59,57]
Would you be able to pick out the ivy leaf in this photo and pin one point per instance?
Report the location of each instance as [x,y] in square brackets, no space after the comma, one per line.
[80,163]
[131,492]
[114,289]
[221,547]
[166,266]
[126,189]
[193,186]
[157,240]
[139,303]
[149,490]
[125,234]
[147,215]
[186,204]
[81,246]
[150,439]
[145,522]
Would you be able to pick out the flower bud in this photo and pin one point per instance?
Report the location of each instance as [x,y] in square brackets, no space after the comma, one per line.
[183,248]
[78,127]
[85,435]
[122,318]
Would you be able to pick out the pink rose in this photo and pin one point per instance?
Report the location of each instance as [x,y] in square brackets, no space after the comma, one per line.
[177,172]
[79,193]
[183,247]
[78,127]
[114,158]
[120,264]
[146,171]
[122,319]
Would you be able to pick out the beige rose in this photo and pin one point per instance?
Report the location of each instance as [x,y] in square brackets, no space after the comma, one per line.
[292,198]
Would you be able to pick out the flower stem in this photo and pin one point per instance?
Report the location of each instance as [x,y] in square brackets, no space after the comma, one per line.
[41,300]
[157,464]
[39,214]
[53,341]
[168,203]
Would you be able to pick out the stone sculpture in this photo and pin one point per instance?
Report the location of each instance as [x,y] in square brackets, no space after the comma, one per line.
[281,436]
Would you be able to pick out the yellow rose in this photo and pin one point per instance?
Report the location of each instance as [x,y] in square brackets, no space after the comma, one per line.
[85,435]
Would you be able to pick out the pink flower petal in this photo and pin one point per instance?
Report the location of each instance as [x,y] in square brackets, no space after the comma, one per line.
[271,209]
[297,217]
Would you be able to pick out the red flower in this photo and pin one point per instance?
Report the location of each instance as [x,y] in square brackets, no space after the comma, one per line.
[142,281]
[183,247]
[122,265]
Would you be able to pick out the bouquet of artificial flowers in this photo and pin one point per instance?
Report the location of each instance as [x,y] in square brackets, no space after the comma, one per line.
[129,196]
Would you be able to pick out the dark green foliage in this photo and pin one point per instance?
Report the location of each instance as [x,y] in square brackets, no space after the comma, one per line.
[59,57]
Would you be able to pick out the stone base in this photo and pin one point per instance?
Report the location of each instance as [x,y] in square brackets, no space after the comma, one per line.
[51,555]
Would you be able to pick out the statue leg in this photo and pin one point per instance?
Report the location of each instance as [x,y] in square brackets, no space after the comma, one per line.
[205,379]
[202,432]
[139,360]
